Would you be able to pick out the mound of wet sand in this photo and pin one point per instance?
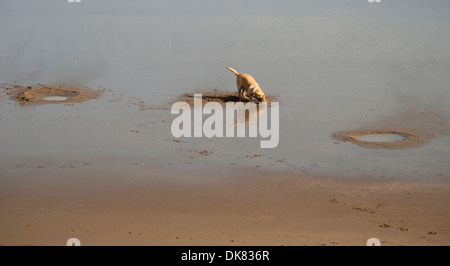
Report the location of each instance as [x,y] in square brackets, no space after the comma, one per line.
[41,93]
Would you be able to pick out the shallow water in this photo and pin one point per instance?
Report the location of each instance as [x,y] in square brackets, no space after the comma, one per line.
[381,137]
[334,65]
[55,98]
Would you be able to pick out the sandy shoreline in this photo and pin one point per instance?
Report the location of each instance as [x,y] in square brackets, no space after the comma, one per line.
[153,207]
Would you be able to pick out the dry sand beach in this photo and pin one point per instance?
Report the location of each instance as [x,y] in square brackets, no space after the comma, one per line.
[87,151]
[235,207]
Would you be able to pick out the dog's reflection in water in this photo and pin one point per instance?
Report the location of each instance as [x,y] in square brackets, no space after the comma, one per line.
[251,110]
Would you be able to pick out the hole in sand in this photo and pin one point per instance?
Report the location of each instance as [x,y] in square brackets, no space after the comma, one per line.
[381,137]
[384,139]
[45,94]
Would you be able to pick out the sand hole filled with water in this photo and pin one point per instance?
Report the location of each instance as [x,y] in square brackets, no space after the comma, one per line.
[55,98]
[384,139]
[49,94]
[381,137]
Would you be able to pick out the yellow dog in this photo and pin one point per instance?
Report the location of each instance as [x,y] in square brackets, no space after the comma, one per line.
[246,83]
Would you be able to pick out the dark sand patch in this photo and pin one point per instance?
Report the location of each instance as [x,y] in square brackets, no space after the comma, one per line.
[41,94]
[223,97]
[215,95]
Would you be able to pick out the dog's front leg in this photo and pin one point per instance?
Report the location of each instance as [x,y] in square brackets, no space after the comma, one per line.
[249,97]
[245,95]
[242,94]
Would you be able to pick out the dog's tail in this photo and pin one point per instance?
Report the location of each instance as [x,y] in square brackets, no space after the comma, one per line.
[232,70]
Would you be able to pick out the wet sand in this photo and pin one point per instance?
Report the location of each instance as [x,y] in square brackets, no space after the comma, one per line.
[134,207]
[126,203]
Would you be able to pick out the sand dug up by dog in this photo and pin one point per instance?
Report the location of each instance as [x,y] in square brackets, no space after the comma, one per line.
[215,95]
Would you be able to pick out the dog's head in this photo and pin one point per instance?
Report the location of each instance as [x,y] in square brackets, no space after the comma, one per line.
[257,93]
[261,97]
[265,99]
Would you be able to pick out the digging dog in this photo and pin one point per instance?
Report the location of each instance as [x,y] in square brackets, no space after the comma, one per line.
[248,88]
